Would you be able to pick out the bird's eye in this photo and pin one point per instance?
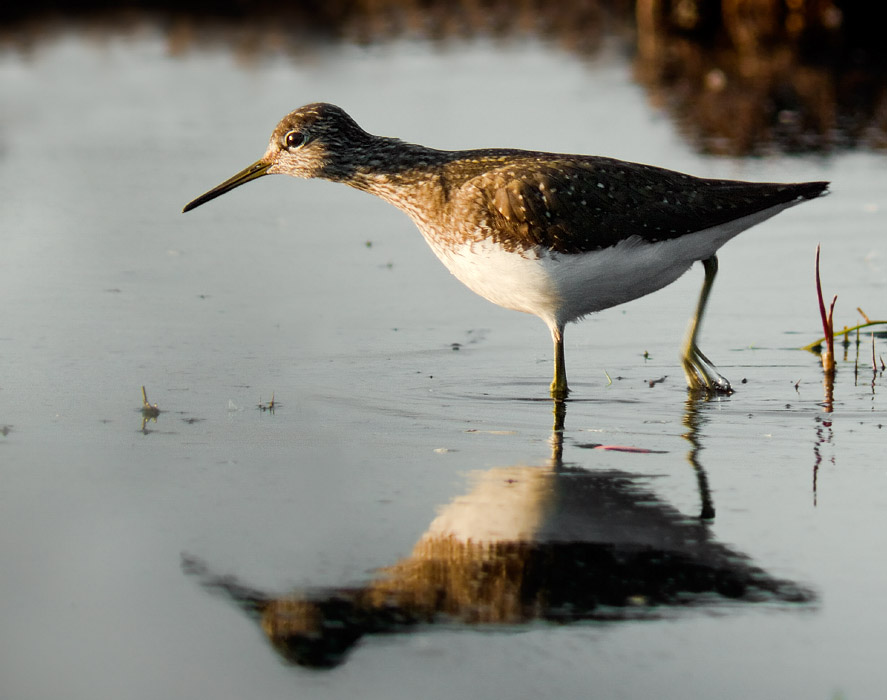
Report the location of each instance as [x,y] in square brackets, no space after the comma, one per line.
[294,139]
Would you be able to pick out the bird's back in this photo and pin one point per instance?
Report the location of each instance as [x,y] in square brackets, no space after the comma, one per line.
[577,204]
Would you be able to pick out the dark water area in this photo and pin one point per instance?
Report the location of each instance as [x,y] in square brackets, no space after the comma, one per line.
[738,78]
[353,483]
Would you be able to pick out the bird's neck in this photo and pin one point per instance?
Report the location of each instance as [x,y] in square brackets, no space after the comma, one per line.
[393,170]
[384,160]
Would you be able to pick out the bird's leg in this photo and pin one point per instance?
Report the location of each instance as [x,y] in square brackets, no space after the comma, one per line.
[701,373]
[559,388]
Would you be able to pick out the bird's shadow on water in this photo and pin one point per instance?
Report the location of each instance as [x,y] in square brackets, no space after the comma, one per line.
[550,543]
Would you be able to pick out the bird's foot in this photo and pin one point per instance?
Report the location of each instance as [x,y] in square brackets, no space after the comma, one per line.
[559,390]
[702,375]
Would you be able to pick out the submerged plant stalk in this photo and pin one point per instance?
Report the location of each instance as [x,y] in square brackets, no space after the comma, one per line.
[828,355]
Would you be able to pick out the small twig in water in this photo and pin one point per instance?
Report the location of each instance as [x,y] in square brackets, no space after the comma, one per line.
[856,359]
[267,406]
[148,410]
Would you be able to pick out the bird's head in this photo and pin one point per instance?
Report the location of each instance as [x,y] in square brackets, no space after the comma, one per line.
[313,141]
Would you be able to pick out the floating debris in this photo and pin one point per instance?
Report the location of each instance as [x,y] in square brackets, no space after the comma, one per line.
[269,407]
[149,410]
[619,448]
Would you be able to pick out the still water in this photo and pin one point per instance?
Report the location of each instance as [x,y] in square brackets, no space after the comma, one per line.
[406,508]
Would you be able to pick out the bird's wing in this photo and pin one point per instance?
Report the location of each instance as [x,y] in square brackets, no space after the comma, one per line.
[574,204]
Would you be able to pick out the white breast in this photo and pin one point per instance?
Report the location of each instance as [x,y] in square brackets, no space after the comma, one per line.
[561,287]
[519,281]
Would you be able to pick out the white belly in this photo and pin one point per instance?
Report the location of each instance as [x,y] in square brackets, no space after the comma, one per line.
[560,287]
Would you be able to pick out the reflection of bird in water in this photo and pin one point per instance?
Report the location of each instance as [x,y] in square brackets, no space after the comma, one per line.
[525,543]
[556,235]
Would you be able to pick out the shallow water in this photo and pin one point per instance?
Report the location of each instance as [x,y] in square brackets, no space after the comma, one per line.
[396,390]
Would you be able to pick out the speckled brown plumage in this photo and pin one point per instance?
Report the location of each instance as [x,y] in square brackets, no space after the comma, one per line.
[555,235]
[521,199]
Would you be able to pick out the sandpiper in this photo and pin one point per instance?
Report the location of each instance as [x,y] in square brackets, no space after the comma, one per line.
[556,235]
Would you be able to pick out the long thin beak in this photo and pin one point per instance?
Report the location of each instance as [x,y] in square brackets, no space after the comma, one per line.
[257,169]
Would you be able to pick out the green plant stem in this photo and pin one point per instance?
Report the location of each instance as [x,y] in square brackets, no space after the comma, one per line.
[812,346]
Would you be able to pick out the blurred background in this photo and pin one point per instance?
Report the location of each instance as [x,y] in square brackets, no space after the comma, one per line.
[740,77]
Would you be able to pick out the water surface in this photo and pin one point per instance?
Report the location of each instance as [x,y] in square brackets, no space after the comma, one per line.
[400,397]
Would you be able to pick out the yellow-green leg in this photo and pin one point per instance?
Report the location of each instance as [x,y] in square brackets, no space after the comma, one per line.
[559,388]
[701,373]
